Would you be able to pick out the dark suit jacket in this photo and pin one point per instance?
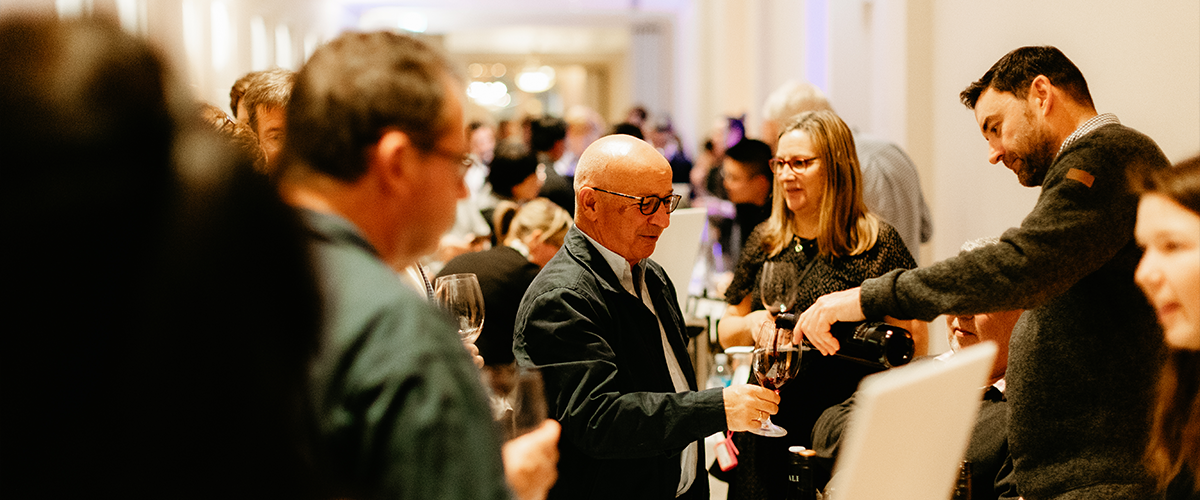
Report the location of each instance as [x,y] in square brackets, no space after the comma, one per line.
[600,353]
[503,275]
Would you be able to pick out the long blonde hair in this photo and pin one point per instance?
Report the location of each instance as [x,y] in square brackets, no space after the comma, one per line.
[846,227]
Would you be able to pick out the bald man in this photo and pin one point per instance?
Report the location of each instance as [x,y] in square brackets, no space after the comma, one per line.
[603,324]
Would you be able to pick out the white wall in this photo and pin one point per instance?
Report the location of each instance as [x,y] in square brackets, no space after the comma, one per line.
[896,68]
[1142,62]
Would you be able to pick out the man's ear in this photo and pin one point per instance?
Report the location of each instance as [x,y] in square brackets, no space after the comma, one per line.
[587,204]
[1042,95]
[393,158]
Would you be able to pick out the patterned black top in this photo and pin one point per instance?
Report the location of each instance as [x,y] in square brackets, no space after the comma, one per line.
[824,382]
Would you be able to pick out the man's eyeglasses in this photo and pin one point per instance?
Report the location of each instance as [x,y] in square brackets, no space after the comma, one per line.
[463,160]
[649,204]
[797,165]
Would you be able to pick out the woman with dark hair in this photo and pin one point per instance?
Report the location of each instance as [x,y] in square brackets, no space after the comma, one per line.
[820,225]
[1168,228]
[514,176]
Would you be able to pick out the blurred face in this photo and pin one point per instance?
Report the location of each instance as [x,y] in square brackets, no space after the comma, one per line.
[741,186]
[966,331]
[271,133]
[541,251]
[1015,136]
[528,189]
[1169,272]
[803,190]
[441,183]
[483,143]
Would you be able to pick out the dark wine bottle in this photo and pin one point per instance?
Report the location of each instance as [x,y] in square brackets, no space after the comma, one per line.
[800,475]
[872,343]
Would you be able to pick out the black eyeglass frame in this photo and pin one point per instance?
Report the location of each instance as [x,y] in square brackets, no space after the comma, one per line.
[648,205]
[776,164]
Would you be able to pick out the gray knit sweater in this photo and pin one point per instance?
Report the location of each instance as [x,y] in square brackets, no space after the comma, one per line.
[1084,358]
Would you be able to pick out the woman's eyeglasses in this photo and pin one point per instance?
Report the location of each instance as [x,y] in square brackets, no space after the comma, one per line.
[797,165]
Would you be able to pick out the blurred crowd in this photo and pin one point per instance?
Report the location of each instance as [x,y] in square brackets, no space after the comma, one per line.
[241,302]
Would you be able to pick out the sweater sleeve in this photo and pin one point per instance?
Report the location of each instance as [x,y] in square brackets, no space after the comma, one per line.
[1083,217]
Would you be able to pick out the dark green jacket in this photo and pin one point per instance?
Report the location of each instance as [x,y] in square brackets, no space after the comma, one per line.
[401,407]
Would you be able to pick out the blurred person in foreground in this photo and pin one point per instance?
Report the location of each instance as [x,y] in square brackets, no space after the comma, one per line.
[987,450]
[1168,229]
[376,156]
[602,323]
[890,184]
[820,226]
[162,309]
[1084,358]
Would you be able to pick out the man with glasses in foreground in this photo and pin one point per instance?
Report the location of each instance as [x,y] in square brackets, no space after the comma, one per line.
[376,145]
[603,324]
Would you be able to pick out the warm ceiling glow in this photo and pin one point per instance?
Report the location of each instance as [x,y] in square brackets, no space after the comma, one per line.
[489,94]
[534,80]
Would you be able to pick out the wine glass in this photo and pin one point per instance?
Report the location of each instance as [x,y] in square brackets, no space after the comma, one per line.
[528,402]
[778,286]
[460,295]
[775,360]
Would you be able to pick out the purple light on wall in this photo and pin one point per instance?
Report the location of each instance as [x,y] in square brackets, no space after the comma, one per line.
[816,68]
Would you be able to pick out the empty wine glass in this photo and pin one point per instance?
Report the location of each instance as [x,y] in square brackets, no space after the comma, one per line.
[460,295]
[775,360]
[778,286]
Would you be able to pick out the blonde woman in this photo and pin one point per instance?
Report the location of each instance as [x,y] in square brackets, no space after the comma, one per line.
[820,225]
[530,236]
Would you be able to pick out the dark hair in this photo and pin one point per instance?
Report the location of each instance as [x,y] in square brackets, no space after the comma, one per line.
[512,164]
[473,126]
[355,87]
[627,128]
[1014,72]
[754,154]
[546,132]
[177,349]
[1180,183]
[1175,433]
[270,89]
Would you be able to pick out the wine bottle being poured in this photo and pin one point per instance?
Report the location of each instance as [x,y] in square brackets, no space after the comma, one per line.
[872,343]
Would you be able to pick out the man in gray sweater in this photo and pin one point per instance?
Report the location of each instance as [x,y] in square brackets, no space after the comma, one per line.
[1083,357]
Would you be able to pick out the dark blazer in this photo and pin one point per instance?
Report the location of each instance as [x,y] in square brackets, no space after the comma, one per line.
[503,275]
[600,353]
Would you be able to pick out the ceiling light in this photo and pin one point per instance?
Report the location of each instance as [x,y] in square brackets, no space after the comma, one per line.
[534,80]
